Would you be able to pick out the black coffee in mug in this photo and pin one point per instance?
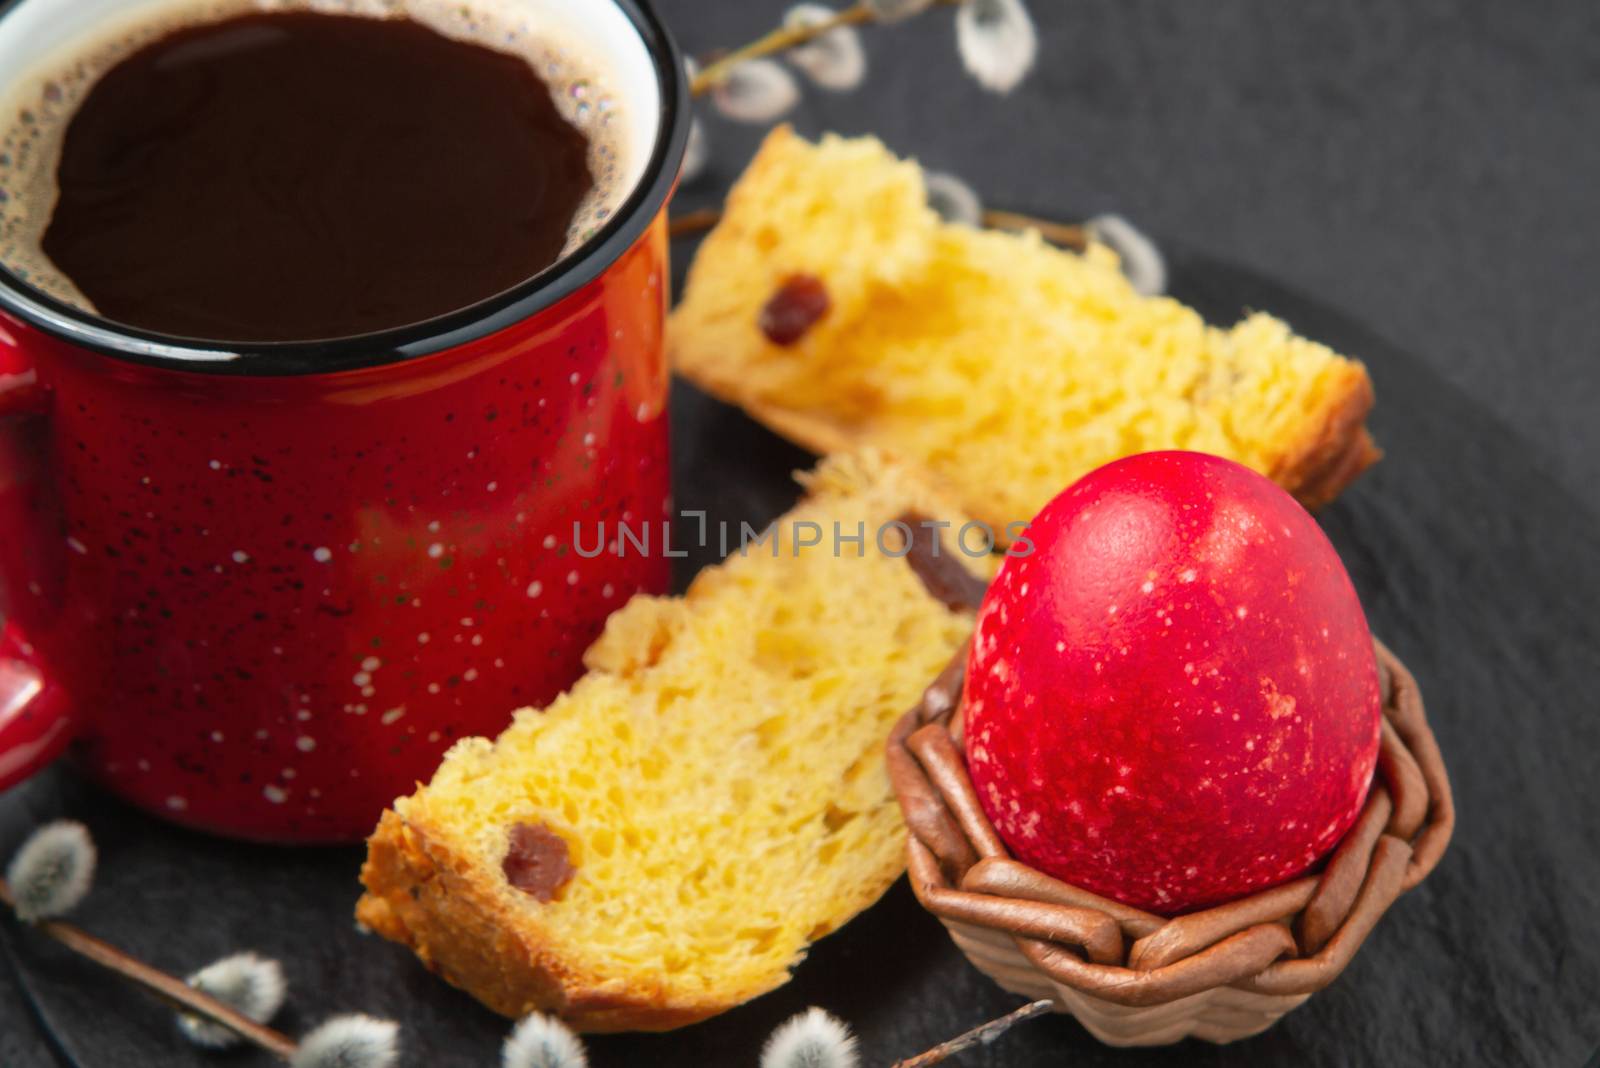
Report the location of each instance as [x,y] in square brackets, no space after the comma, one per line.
[290,174]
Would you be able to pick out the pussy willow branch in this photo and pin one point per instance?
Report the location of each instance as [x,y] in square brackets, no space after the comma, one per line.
[981,1035]
[781,40]
[1067,235]
[689,223]
[170,989]
[185,998]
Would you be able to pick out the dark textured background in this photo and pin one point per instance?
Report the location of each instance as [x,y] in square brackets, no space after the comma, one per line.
[1428,169]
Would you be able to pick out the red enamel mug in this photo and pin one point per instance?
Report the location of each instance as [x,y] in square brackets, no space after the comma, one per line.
[260,589]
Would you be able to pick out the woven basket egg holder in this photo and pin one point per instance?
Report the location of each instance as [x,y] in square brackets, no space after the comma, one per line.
[1133,978]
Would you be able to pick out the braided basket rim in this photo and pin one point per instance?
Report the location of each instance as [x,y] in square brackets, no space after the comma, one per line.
[1289,940]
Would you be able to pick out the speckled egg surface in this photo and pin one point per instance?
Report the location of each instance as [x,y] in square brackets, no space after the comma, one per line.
[1173,700]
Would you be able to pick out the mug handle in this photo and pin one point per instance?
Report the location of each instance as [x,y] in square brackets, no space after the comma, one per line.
[34,724]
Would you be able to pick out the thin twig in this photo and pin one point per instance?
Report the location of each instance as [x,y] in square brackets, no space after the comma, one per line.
[978,1036]
[693,222]
[1067,235]
[781,40]
[175,992]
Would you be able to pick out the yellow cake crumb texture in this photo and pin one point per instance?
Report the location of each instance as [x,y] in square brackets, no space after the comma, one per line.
[718,777]
[1004,366]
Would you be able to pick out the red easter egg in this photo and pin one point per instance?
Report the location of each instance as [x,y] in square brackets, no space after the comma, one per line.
[1173,699]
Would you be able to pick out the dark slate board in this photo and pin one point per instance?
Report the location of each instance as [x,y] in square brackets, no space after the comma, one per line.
[1474,565]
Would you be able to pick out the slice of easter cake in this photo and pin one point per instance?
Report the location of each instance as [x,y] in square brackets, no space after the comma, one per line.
[665,840]
[836,307]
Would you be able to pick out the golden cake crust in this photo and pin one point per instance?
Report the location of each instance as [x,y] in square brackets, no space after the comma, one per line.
[1333,453]
[420,895]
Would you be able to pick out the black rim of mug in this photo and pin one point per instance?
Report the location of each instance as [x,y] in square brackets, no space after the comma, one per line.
[263,359]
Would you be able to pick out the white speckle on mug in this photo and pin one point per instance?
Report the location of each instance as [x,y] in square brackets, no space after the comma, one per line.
[435,550]
[176,803]
[305,743]
[535,588]
[371,663]
[470,675]
[572,577]
[77,546]
[322,554]
[240,556]
[274,794]
[423,639]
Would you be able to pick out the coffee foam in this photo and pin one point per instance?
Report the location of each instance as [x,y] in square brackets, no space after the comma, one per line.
[597,88]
